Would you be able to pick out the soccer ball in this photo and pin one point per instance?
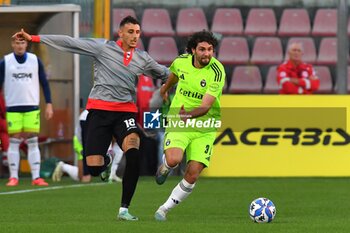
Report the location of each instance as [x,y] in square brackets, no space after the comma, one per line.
[262,210]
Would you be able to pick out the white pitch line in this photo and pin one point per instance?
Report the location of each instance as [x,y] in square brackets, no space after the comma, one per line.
[51,188]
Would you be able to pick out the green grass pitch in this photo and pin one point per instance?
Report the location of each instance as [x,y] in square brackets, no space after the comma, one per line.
[216,205]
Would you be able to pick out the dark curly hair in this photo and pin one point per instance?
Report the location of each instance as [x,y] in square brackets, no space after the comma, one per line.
[202,36]
[128,19]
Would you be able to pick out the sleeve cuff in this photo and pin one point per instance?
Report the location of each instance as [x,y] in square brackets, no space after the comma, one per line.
[35,38]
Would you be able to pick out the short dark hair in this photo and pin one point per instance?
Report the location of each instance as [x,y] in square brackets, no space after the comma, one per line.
[202,36]
[128,19]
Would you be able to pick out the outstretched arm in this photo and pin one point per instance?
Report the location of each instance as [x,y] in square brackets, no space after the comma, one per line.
[84,46]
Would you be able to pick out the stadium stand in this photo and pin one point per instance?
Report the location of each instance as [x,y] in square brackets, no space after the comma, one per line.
[326,85]
[163,49]
[227,21]
[233,50]
[294,22]
[156,22]
[325,22]
[309,49]
[245,80]
[267,50]
[261,22]
[190,20]
[271,85]
[327,54]
[119,14]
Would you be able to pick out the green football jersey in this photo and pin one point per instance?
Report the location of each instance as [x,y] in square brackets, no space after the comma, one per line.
[193,84]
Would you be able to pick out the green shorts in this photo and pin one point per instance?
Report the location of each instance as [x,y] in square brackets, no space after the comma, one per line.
[198,145]
[23,122]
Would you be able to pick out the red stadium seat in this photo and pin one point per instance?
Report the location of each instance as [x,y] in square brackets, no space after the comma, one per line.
[326,86]
[156,22]
[119,14]
[271,85]
[309,53]
[227,21]
[245,80]
[294,22]
[163,49]
[325,22]
[267,50]
[261,22]
[190,20]
[233,50]
[327,54]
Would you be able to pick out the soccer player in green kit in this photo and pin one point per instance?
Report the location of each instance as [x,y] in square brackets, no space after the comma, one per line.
[200,79]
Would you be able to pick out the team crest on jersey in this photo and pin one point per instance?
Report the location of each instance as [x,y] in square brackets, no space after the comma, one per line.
[203,83]
[167,143]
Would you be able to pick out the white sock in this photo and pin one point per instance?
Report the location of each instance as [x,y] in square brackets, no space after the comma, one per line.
[13,157]
[179,193]
[71,170]
[34,157]
[121,209]
[118,154]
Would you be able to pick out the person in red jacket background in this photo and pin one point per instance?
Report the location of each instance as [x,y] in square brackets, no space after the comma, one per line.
[294,76]
[4,137]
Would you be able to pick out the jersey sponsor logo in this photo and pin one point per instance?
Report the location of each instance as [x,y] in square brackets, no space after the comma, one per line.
[182,76]
[191,94]
[22,75]
[203,83]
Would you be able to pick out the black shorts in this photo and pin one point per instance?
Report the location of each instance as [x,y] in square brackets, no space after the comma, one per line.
[103,125]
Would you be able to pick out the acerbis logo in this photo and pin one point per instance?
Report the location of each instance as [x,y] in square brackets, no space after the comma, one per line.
[274,136]
[191,94]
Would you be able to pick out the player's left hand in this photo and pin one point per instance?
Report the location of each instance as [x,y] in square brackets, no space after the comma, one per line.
[22,34]
[48,111]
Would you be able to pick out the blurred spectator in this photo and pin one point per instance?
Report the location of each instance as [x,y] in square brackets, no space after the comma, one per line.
[294,76]
[20,75]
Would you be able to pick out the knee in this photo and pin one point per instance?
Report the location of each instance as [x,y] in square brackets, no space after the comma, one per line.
[173,156]
[95,160]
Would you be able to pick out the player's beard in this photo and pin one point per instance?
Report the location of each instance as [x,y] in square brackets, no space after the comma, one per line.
[204,61]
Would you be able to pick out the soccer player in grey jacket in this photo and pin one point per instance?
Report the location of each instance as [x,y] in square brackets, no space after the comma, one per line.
[111,102]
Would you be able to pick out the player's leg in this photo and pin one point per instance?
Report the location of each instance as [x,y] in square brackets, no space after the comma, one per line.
[62,168]
[31,129]
[15,125]
[182,190]
[198,157]
[118,154]
[127,135]
[98,137]
[174,145]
